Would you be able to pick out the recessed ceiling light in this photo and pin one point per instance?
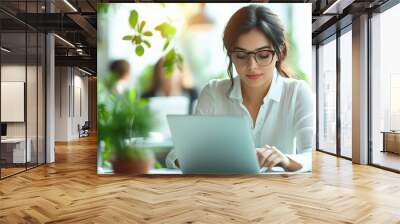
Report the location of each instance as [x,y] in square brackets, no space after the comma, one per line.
[84,71]
[337,7]
[64,40]
[70,5]
[5,50]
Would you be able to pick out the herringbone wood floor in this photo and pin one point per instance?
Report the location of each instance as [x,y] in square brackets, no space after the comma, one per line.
[70,191]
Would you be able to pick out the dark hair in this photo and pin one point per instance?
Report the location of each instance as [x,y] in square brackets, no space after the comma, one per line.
[120,67]
[157,72]
[262,18]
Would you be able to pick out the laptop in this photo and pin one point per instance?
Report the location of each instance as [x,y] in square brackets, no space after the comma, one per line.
[213,144]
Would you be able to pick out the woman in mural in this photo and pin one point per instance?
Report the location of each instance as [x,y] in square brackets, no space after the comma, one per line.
[278,107]
[178,83]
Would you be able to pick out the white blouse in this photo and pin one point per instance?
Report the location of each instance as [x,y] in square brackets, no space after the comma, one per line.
[285,119]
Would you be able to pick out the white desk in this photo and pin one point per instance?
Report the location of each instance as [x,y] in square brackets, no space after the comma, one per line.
[263,171]
[18,150]
[274,171]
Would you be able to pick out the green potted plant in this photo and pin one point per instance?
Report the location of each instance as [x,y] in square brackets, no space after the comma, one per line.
[124,121]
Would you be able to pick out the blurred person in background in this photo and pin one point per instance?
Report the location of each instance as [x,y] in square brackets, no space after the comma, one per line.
[178,83]
[121,69]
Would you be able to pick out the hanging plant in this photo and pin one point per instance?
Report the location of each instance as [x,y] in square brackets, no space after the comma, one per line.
[141,38]
[138,38]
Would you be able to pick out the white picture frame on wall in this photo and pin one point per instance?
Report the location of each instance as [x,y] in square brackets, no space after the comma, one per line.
[12,101]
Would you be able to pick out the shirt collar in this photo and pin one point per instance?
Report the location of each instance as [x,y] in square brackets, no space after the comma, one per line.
[274,93]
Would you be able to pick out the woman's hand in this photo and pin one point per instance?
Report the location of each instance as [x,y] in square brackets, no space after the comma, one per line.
[270,156]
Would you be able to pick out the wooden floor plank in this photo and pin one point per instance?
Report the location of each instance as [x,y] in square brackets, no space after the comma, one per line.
[70,191]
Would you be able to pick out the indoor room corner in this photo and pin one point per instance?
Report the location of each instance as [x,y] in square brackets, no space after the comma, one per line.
[56,61]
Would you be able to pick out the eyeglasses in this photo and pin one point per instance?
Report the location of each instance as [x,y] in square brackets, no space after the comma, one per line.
[242,58]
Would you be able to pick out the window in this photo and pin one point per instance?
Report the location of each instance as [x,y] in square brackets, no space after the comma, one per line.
[22,66]
[327,96]
[346,94]
[385,84]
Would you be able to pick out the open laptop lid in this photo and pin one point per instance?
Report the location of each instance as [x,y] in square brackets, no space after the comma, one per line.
[213,144]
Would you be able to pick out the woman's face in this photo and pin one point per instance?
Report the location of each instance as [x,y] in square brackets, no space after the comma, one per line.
[254,72]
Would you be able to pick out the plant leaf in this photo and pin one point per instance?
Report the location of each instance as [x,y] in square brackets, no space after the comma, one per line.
[127,37]
[137,39]
[170,56]
[148,33]
[147,43]
[133,18]
[132,95]
[141,26]
[139,50]
[166,30]
[169,62]
[165,45]
[179,61]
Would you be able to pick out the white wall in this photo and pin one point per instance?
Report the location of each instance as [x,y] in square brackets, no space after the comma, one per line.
[61,103]
[71,93]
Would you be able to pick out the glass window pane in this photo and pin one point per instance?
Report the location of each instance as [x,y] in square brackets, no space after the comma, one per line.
[22,76]
[13,86]
[386,89]
[41,98]
[327,97]
[31,97]
[346,94]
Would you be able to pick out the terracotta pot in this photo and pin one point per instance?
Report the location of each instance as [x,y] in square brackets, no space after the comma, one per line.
[131,166]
